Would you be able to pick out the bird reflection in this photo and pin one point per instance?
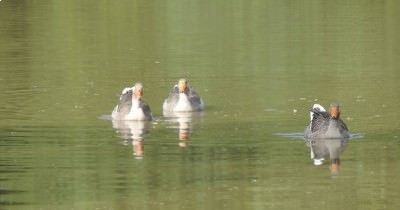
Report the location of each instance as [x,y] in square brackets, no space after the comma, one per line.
[321,149]
[133,131]
[185,122]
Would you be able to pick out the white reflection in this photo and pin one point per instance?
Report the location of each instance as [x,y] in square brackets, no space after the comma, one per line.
[133,131]
[184,123]
[322,149]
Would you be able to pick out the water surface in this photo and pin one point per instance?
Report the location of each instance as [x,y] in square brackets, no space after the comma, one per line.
[259,67]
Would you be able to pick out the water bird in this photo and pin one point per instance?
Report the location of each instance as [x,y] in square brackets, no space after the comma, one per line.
[131,105]
[183,98]
[326,125]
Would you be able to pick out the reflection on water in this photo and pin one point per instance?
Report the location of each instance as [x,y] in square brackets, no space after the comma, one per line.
[184,123]
[133,131]
[258,64]
[331,149]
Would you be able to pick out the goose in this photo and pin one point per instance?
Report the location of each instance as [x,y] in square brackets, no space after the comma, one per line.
[326,125]
[131,105]
[183,98]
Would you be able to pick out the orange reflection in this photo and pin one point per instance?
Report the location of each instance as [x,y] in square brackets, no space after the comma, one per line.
[134,131]
[331,149]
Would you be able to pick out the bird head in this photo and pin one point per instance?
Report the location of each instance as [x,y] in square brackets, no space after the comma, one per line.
[183,85]
[334,111]
[137,90]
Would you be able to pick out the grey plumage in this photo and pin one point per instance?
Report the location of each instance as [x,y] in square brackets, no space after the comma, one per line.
[182,98]
[172,99]
[125,103]
[131,105]
[322,125]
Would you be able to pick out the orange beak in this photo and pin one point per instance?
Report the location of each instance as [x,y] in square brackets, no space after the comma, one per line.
[182,85]
[139,92]
[334,111]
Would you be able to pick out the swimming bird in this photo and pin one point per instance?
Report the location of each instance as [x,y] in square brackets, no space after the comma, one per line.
[131,105]
[183,99]
[326,125]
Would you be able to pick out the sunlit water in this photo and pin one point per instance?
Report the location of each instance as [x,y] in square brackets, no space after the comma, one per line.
[259,67]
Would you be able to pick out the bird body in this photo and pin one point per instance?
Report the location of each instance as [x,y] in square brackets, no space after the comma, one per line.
[183,98]
[326,125]
[131,105]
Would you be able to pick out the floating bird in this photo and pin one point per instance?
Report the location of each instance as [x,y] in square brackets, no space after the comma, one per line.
[183,99]
[131,105]
[326,125]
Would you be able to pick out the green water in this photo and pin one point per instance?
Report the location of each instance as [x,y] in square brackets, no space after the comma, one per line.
[259,66]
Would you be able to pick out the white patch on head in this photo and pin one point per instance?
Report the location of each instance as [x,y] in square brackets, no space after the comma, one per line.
[137,85]
[321,108]
[125,90]
[316,106]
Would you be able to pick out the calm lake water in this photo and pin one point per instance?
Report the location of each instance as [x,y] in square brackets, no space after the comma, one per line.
[259,66]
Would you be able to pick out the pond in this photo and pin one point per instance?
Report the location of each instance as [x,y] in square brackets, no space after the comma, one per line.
[259,67]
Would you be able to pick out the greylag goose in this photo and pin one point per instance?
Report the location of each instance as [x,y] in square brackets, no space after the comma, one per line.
[326,125]
[183,99]
[131,105]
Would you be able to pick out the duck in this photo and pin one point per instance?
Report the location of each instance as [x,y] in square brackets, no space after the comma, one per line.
[131,105]
[183,98]
[326,125]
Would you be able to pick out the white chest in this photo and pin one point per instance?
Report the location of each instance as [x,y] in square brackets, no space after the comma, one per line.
[183,103]
[136,113]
